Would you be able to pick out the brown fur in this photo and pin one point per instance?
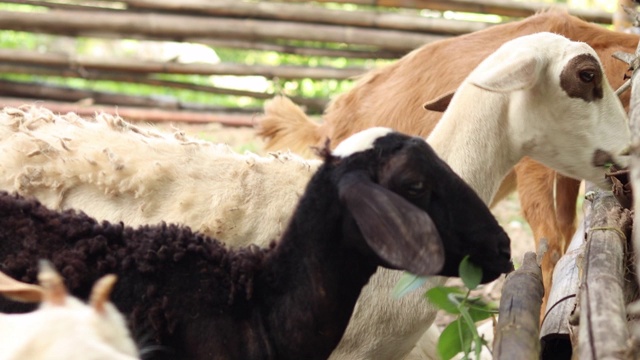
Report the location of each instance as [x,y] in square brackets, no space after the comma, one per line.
[394,96]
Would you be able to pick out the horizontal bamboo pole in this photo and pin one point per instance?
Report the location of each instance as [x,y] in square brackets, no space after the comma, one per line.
[498,7]
[26,57]
[178,27]
[312,104]
[136,114]
[311,13]
[350,53]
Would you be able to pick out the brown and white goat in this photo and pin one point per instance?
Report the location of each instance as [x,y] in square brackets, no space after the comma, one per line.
[394,96]
[539,95]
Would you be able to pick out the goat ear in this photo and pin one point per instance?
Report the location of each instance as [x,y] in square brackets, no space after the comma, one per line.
[441,103]
[517,72]
[19,291]
[397,231]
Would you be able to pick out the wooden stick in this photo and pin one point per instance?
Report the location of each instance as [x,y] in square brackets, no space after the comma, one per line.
[27,57]
[557,324]
[310,13]
[517,334]
[137,114]
[178,27]
[498,7]
[603,332]
[351,52]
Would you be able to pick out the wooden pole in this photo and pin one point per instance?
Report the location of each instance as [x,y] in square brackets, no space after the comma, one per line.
[518,331]
[498,7]
[179,27]
[310,13]
[621,20]
[87,63]
[558,322]
[312,104]
[284,48]
[603,332]
[136,114]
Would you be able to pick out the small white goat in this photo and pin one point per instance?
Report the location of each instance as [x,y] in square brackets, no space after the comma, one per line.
[546,91]
[63,327]
[541,96]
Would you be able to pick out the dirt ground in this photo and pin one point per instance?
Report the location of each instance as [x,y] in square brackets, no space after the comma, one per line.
[507,212]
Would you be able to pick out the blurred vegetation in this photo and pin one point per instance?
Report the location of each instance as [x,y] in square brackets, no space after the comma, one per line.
[291,87]
[302,87]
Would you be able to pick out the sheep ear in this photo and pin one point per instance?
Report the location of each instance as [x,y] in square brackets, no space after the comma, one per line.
[397,231]
[100,292]
[19,291]
[440,104]
[55,292]
[518,71]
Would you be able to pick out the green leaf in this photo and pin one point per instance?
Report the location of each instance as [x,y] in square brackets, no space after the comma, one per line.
[479,309]
[470,273]
[439,296]
[455,338]
[407,283]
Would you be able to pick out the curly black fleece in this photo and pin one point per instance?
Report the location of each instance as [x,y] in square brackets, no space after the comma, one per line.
[86,249]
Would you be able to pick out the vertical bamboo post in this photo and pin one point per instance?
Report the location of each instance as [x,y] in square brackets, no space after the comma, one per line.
[518,331]
[621,19]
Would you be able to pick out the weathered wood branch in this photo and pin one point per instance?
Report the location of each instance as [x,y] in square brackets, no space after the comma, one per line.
[310,13]
[284,48]
[498,7]
[557,325]
[517,334]
[312,104]
[87,63]
[179,27]
[37,91]
[634,177]
[603,332]
[137,114]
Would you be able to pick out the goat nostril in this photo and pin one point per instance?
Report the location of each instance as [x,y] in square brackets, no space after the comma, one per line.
[602,158]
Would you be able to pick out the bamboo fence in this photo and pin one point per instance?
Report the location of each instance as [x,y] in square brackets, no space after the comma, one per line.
[371,31]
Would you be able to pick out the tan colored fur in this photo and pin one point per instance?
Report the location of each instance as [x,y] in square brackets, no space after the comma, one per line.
[113,170]
[394,95]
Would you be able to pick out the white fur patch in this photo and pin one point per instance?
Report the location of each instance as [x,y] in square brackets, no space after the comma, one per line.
[360,141]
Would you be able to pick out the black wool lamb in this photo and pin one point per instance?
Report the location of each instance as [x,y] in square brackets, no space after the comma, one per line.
[380,199]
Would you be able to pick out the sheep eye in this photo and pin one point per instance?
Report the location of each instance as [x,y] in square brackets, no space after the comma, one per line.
[416,188]
[587,76]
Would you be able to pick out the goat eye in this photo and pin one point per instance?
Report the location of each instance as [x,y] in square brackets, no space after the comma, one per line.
[587,76]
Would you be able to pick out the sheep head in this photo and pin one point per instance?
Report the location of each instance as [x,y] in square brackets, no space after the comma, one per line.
[415,212]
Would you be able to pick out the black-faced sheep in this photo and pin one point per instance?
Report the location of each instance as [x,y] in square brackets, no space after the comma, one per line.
[380,199]
[63,327]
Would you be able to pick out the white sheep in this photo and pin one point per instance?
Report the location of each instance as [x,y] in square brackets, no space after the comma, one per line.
[540,95]
[117,171]
[63,327]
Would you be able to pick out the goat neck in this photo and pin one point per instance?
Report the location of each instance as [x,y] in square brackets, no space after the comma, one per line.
[473,141]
